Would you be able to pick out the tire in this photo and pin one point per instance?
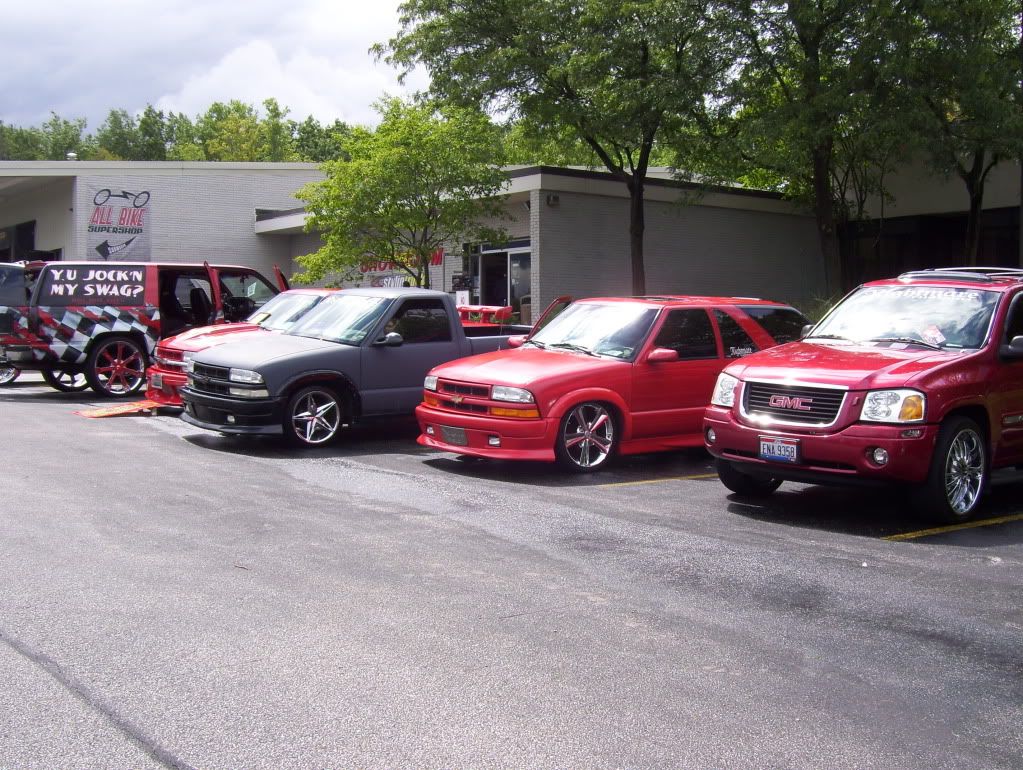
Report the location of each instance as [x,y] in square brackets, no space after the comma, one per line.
[314,416]
[116,367]
[743,483]
[65,382]
[8,374]
[958,475]
[587,437]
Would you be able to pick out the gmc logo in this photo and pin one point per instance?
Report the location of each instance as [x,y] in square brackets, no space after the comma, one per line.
[791,402]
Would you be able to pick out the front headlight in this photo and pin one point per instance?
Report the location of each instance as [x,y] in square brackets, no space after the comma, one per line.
[893,406]
[516,395]
[430,383]
[724,390]
[245,375]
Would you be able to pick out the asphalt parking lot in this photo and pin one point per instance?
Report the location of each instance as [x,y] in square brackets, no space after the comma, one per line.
[175,598]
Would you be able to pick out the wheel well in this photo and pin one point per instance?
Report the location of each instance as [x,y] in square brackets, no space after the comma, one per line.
[619,418]
[978,414]
[342,385]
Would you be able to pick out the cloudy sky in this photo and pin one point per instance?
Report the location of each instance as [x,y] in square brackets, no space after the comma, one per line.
[82,59]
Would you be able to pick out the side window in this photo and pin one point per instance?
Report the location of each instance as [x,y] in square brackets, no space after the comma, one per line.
[734,339]
[689,333]
[784,324]
[421,320]
[185,284]
[247,285]
[1014,323]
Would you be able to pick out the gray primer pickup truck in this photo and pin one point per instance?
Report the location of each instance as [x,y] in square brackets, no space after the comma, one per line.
[360,353]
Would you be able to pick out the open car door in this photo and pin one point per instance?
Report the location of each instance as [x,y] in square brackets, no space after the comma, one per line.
[282,282]
[218,302]
[553,310]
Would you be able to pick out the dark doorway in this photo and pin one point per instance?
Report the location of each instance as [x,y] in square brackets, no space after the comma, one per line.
[494,279]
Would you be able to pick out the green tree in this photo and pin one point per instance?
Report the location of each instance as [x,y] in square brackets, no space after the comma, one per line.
[803,67]
[961,65]
[618,73]
[152,134]
[17,143]
[317,143]
[183,138]
[118,137]
[422,180]
[276,134]
[229,132]
[61,136]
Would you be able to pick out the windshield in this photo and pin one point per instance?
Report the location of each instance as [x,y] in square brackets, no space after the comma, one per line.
[284,310]
[344,318]
[614,329]
[932,316]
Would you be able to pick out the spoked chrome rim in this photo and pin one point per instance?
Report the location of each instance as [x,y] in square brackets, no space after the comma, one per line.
[588,435]
[316,417]
[8,374]
[964,471]
[120,367]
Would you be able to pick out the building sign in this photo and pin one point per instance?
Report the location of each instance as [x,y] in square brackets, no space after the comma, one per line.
[385,273]
[120,226]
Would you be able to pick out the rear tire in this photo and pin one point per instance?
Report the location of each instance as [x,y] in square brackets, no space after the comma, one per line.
[958,475]
[743,483]
[8,374]
[314,416]
[65,382]
[116,367]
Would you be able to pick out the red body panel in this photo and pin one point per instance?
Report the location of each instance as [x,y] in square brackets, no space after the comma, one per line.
[659,405]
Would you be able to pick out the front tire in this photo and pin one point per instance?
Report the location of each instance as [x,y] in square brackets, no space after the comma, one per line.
[587,437]
[65,382]
[116,367]
[743,483]
[8,374]
[314,416]
[958,475]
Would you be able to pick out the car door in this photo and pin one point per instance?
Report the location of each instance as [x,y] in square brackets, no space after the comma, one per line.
[669,397]
[242,292]
[1006,390]
[392,375]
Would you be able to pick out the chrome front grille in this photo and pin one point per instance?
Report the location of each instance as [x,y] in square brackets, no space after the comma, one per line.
[801,404]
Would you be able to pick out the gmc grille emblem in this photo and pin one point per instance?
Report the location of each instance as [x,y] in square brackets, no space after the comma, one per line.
[791,402]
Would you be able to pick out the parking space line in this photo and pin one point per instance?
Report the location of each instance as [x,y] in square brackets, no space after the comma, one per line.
[956,527]
[658,481]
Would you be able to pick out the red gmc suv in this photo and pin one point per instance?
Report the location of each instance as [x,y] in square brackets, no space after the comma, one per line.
[914,381]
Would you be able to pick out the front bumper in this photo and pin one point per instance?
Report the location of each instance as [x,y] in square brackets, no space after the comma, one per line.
[164,385]
[835,457]
[232,415]
[520,439]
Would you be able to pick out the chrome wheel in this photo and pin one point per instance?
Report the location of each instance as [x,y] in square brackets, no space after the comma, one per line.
[315,416]
[8,374]
[587,437]
[964,471]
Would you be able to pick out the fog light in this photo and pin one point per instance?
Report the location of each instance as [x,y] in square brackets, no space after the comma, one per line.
[912,433]
[230,419]
[494,440]
[879,456]
[429,430]
[711,436]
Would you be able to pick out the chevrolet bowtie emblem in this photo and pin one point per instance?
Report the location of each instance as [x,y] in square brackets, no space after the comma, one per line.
[457,399]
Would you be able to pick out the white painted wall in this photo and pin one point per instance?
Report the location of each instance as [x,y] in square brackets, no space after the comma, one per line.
[50,206]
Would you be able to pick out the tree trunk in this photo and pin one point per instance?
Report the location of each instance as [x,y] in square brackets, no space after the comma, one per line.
[637,225]
[973,225]
[824,210]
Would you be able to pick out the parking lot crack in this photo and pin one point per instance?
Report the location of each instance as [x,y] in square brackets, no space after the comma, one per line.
[65,679]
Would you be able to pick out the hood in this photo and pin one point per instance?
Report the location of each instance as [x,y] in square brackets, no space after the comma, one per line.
[521,367]
[256,350]
[207,336]
[857,367]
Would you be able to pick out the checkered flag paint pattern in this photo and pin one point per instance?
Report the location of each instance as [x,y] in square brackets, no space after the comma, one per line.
[70,331]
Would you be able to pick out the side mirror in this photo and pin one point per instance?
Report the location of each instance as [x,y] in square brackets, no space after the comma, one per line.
[516,341]
[1014,349]
[806,331]
[391,340]
[662,355]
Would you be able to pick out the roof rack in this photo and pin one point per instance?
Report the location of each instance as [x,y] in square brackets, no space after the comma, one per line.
[979,274]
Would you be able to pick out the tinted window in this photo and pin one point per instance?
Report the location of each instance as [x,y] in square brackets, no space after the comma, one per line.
[733,338]
[784,324]
[12,286]
[87,285]
[421,320]
[688,332]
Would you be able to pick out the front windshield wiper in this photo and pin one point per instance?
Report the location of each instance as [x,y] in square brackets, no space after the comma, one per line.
[573,346]
[908,341]
[828,337]
[534,342]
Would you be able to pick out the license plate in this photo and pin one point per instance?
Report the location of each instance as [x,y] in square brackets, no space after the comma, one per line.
[157,382]
[454,436]
[781,450]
